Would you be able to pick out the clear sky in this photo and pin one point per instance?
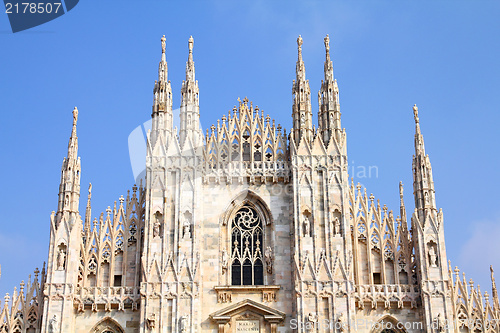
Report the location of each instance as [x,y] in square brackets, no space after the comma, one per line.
[103,55]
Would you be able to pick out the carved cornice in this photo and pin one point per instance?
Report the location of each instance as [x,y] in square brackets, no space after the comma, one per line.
[225,293]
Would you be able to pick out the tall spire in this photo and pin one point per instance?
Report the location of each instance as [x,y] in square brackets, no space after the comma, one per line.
[494,292]
[88,214]
[69,188]
[162,104]
[423,184]
[402,209]
[73,140]
[328,100]
[301,111]
[190,63]
[190,107]
[300,67]
[328,62]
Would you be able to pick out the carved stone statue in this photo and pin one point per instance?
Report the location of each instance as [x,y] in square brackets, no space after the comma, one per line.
[184,324]
[75,116]
[156,228]
[336,226]
[302,121]
[307,227]
[151,321]
[268,255]
[186,229]
[53,324]
[432,256]
[340,324]
[61,260]
[312,318]
[440,324]
[224,261]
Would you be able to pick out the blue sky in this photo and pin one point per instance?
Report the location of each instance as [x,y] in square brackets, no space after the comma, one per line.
[102,57]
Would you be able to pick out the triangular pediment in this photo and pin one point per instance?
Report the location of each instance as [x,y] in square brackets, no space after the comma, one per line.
[248,306]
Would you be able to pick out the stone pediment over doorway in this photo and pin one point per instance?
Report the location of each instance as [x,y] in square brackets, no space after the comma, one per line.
[248,316]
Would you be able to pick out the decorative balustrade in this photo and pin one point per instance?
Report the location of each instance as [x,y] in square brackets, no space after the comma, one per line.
[391,295]
[263,170]
[106,298]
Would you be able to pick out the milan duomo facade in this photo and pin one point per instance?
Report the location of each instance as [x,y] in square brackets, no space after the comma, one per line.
[248,228]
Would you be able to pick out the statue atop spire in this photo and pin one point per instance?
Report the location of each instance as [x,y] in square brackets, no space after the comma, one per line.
[299,44]
[163,44]
[190,44]
[75,116]
[415,113]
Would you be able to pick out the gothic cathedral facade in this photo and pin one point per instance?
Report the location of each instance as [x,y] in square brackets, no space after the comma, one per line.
[248,228]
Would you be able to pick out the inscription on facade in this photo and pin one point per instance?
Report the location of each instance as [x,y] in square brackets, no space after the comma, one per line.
[243,326]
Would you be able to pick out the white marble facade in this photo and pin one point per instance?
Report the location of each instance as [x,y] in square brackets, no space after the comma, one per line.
[248,228]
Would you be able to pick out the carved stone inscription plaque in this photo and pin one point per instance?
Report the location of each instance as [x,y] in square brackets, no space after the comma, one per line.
[244,326]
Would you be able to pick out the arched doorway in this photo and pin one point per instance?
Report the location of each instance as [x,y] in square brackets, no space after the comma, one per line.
[107,325]
[388,324]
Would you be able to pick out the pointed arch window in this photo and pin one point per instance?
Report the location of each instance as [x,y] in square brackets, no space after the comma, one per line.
[247,247]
